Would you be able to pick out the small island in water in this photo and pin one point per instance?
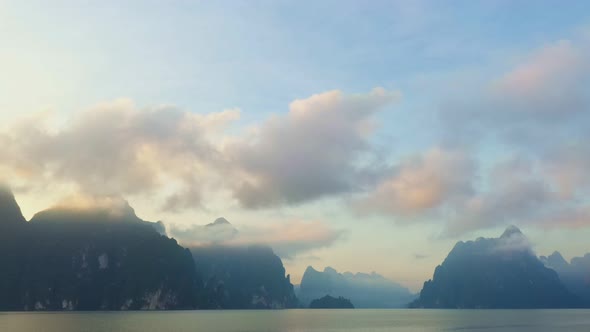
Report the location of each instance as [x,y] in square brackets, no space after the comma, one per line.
[329,302]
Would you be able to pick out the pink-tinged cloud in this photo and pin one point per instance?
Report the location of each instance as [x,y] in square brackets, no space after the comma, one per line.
[421,184]
[547,75]
[543,99]
[567,167]
[572,217]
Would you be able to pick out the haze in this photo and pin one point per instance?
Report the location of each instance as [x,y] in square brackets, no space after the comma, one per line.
[365,136]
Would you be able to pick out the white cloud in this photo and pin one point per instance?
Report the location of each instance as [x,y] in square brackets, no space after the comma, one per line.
[287,238]
[118,149]
[308,153]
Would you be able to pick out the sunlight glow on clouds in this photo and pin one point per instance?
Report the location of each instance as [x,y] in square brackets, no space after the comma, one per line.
[283,112]
[308,153]
[422,183]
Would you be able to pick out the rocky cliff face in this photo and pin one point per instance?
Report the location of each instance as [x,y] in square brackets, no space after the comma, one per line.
[80,260]
[495,273]
[251,277]
[363,289]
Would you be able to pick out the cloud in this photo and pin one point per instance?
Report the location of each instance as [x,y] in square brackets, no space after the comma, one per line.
[513,194]
[287,239]
[547,83]
[543,99]
[204,235]
[538,112]
[422,183]
[311,152]
[512,240]
[567,167]
[567,217]
[118,149]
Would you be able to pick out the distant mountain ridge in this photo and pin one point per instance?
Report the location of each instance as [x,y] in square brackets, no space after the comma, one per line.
[364,290]
[575,274]
[495,273]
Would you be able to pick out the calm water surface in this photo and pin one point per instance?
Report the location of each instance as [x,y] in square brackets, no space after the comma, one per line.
[302,320]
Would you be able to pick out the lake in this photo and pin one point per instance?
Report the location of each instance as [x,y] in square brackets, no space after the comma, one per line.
[301,320]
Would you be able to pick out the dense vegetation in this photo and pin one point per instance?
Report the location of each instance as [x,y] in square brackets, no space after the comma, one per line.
[329,302]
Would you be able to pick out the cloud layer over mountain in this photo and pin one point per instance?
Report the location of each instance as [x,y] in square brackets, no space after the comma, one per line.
[511,149]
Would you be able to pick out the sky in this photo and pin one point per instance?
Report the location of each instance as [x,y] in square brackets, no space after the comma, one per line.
[361,135]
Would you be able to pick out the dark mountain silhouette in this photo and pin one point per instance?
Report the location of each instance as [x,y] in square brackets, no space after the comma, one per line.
[364,290]
[119,211]
[250,277]
[329,302]
[91,259]
[104,257]
[575,274]
[10,212]
[495,273]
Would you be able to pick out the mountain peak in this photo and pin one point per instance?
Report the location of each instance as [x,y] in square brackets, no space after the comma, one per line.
[219,221]
[330,270]
[309,269]
[10,212]
[89,209]
[556,260]
[511,231]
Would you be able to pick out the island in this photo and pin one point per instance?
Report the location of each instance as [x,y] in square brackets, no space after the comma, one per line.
[329,302]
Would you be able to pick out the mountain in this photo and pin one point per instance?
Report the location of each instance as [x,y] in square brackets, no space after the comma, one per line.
[219,222]
[10,213]
[250,277]
[364,290]
[110,211]
[495,273]
[92,259]
[329,302]
[575,274]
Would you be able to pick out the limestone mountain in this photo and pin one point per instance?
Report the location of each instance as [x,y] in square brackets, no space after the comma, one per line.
[92,259]
[10,213]
[495,273]
[243,277]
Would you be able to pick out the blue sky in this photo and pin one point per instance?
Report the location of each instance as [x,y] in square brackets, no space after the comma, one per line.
[445,69]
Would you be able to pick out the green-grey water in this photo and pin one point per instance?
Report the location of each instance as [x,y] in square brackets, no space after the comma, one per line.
[301,320]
